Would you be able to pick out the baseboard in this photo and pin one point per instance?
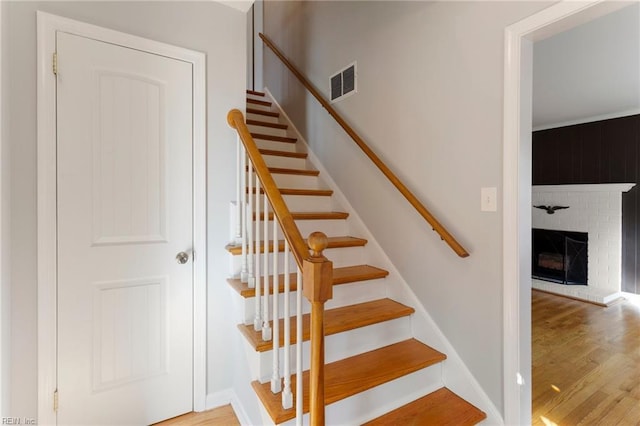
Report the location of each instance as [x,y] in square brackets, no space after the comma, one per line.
[228,397]
[456,374]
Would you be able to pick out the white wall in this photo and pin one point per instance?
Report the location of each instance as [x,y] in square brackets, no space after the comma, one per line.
[258,45]
[5,296]
[429,101]
[250,48]
[217,30]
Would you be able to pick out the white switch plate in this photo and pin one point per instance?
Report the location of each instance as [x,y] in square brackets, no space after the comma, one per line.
[489,199]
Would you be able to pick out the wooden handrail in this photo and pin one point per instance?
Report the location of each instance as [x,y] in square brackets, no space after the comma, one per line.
[413,200]
[290,230]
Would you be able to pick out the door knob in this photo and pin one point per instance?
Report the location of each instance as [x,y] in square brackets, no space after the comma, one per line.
[182,258]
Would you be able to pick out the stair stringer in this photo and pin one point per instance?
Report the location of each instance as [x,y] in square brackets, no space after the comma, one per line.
[455,374]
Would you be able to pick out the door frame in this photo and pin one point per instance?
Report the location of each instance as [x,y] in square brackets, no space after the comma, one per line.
[48,25]
[516,219]
[5,333]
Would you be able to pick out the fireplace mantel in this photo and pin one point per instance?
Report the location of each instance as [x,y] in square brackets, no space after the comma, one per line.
[600,187]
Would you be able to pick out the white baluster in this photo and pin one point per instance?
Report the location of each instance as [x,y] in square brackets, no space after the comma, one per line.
[248,214]
[266,327]
[239,194]
[299,350]
[276,382]
[257,322]
[251,282]
[287,396]
[244,275]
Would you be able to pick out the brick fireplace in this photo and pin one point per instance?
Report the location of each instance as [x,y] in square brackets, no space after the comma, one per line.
[597,211]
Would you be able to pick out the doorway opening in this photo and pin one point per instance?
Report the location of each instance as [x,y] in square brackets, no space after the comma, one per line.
[586,105]
[519,39]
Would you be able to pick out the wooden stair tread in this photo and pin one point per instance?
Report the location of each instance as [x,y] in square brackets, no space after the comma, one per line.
[349,274]
[258,102]
[336,321]
[266,124]
[441,407]
[316,192]
[287,171]
[296,191]
[310,215]
[334,242]
[300,172]
[344,275]
[277,153]
[356,374]
[262,112]
[255,93]
[274,138]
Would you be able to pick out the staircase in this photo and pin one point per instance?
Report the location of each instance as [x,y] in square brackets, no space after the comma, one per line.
[376,372]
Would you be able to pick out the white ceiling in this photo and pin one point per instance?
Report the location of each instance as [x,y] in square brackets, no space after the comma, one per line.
[241,5]
[589,72]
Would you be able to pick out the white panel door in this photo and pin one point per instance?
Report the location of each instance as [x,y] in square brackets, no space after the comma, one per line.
[125,304]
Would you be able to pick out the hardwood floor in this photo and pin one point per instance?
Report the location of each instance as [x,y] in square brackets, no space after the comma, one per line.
[222,416]
[586,362]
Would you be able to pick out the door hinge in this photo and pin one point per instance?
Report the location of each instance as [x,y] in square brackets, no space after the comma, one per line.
[55,63]
[55,400]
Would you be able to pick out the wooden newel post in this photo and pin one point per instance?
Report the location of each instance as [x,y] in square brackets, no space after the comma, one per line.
[317,274]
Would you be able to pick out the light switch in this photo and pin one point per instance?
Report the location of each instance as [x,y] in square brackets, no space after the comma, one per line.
[489,199]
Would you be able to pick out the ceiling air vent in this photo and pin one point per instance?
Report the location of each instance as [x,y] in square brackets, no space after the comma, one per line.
[343,83]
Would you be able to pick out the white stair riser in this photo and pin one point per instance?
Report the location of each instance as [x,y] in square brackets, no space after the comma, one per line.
[297,181]
[264,414]
[306,227]
[266,130]
[358,292]
[369,404]
[301,203]
[285,180]
[249,306]
[329,227]
[285,162]
[337,346]
[389,396]
[342,296]
[258,97]
[260,107]
[236,264]
[347,256]
[275,145]
[260,117]
[308,203]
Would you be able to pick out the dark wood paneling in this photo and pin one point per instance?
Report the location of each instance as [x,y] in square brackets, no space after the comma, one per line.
[605,151]
[545,158]
[590,154]
[568,171]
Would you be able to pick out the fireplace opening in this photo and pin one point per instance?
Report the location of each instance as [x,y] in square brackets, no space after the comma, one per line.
[560,256]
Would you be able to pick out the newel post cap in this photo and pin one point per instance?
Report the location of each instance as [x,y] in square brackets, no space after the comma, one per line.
[317,242]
